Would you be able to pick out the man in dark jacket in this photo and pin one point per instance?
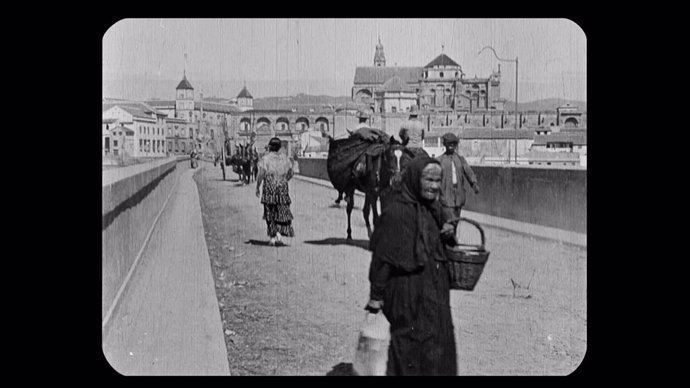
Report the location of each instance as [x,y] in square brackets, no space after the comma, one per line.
[455,171]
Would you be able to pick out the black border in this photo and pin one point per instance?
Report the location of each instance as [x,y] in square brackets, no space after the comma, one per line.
[83,63]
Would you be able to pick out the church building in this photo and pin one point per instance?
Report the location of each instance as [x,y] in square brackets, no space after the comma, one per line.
[440,86]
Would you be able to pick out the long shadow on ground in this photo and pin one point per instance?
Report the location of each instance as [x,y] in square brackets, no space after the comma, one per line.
[364,244]
[265,243]
[344,206]
[342,369]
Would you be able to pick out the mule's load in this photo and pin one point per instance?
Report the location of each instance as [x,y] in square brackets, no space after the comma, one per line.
[348,158]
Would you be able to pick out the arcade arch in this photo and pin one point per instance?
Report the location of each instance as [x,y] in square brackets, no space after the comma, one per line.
[282,124]
[322,124]
[245,124]
[302,123]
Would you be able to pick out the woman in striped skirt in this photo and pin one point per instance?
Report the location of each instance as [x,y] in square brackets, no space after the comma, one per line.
[275,170]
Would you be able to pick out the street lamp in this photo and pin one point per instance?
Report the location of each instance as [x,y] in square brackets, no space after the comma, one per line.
[516,89]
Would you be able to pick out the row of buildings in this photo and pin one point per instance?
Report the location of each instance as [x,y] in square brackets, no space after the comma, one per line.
[472,108]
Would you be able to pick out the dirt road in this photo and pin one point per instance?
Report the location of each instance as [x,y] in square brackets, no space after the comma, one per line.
[295,310]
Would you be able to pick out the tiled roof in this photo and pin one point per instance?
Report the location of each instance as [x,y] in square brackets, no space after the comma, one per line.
[159,103]
[184,84]
[576,138]
[482,133]
[442,60]
[395,84]
[136,109]
[474,80]
[244,93]
[214,107]
[379,75]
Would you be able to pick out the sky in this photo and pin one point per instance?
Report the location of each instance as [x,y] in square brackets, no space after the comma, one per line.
[279,57]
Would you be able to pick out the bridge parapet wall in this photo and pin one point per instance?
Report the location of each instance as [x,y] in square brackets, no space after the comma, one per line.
[132,198]
[551,197]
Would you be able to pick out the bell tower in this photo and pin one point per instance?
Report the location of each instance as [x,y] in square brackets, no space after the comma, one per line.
[379,57]
[184,98]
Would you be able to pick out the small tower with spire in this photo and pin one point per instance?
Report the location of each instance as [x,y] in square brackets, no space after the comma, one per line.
[379,57]
[184,98]
[244,99]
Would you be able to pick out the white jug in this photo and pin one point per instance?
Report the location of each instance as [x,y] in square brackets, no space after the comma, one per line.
[372,346]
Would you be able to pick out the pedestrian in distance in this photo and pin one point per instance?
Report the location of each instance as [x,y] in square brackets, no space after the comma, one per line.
[193,157]
[456,171]
[409,280]
[275,170]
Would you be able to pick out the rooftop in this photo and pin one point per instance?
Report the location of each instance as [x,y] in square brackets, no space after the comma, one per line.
[442,60]
[184,84]
[136,109]
[244,93]
[161,103]
[216,107]
[379,75]
[395,84]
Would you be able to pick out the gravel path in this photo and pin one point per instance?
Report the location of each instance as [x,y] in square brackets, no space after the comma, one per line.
[295,310]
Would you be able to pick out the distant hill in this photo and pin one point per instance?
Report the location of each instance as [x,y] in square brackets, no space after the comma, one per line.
[549,104]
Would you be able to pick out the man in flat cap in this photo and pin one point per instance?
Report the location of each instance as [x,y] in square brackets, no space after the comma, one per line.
[412,133]
[455,170]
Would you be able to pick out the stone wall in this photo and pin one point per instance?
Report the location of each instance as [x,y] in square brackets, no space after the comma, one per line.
[132,198]
[550,197]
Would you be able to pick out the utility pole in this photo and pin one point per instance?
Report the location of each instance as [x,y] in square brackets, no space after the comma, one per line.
[516,90]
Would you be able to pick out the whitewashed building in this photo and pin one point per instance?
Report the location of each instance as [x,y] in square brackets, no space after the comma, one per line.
[147,123]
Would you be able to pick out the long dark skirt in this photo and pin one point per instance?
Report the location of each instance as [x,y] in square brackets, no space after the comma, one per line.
[277,214]
[422,336]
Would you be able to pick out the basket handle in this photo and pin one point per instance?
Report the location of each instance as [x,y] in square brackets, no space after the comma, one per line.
[481,231]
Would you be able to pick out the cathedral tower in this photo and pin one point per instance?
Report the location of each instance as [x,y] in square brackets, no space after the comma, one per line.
[379,58]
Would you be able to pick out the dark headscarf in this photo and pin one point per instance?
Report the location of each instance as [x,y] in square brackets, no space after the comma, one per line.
[274,144]
[408,232]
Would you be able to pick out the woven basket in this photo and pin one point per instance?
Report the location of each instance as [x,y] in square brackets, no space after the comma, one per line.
[466,262]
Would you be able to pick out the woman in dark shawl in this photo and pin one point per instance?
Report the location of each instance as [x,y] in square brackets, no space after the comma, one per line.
[408,275]
[275,170]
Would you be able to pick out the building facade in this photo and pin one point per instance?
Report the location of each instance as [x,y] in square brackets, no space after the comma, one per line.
[439,86]
[146,123]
